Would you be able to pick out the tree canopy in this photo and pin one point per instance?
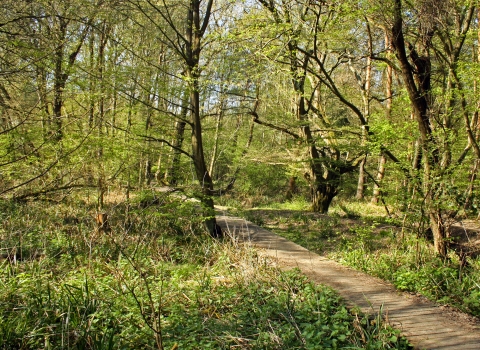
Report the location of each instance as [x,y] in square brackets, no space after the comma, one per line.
[368,98]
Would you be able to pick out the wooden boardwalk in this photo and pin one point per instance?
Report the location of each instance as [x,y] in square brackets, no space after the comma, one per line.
[424,324]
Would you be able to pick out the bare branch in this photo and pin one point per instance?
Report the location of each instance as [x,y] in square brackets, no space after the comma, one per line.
[272,126]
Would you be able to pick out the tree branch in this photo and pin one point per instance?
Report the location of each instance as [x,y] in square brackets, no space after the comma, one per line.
[206,18]
[49,167]
[272,126]
[154,139]
[50,190]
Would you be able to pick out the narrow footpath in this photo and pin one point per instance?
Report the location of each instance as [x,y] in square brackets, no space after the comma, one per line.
[424,324]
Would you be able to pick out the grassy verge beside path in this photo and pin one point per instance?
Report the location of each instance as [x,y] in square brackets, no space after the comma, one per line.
[155,280]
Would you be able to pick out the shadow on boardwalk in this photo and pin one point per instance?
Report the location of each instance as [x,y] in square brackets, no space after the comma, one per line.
[425,325]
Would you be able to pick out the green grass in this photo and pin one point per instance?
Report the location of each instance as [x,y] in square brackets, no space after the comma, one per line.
[156,280]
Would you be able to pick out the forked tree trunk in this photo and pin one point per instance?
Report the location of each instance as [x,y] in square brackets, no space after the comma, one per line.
[323,181]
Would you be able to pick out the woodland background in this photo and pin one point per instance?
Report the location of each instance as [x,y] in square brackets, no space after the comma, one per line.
[372,99]
[314,106]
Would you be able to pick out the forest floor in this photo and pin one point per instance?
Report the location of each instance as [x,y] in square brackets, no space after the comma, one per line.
[425,324]
[466,236]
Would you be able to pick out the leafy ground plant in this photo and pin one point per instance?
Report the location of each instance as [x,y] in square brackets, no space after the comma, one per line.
[156,280]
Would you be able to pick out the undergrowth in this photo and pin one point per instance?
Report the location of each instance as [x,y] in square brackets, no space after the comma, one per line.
[156,280]
[372,243]
[411,265]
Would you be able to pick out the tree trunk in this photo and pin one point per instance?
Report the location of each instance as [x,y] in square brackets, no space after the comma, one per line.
[61,71]
[417,79]
[42,96]
[471,185]
[439,231]
[324,162]
[101,72]
[322,196]
[172,174]
[91,81]
[148,171]
[213,159]
[203,176]
[380,174]
[195,32]
[59,81]
[366,87]
[475,128]
[388,111]
[361,179]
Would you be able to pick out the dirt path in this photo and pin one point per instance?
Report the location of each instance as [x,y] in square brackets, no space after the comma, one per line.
[425,325]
